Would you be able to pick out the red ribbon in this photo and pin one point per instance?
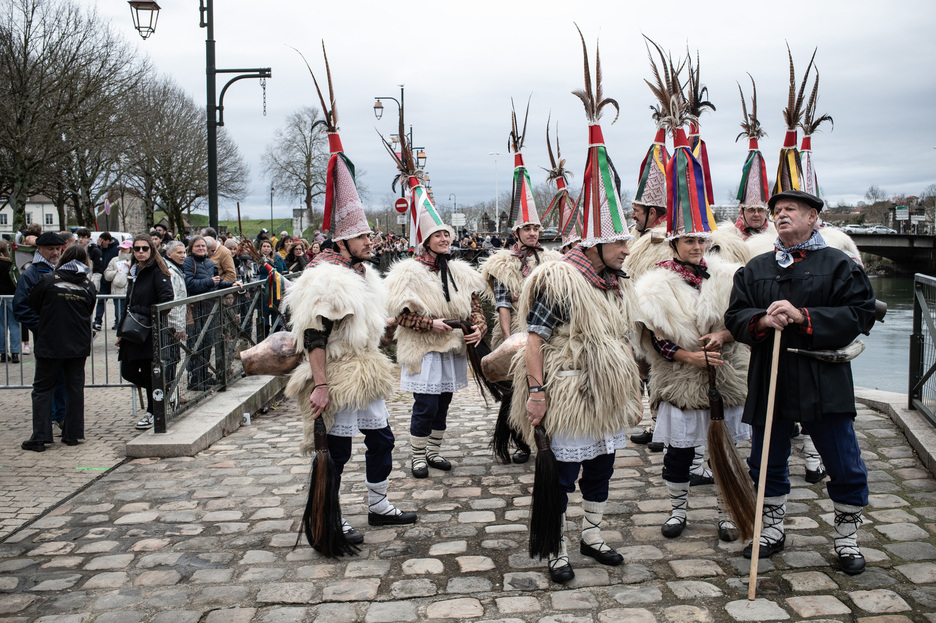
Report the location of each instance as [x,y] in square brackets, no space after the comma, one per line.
[807,144]
[594,135]
[660,137]
[680,140]
[789,141]
[560,183]
[693,129]
[518,160]
[334,143]
[752,144]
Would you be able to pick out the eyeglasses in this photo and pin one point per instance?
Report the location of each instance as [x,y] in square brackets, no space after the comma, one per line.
[141,249]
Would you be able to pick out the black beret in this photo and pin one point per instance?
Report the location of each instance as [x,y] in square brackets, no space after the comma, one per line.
[810,200]
[50,239]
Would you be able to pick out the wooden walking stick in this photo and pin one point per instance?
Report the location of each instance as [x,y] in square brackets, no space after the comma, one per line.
[762,475]
[731,474]
[321,521]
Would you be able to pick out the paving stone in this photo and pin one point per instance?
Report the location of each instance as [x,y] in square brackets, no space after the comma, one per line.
[879,601]
[122,598]
[390,612]
[517,605]
[11,604]
[817,605]
[636,595]
[113,579]
[287,593]
[525,581]
[469,584]
[262,574]
[367,568]
[693,568]
[60,583]
[158,578]
[919,573]
[120,617]
[915,550]
[413,588]
[351,590]
[231,615]
[288,614]
[423,566]
[801,559]
[631,615]
[574,600]
[448,547]
[338,613]
[810,581]
[757,610]
[464,608]
[687,614]
[902,531]
[472,564]
[118,561]
[691,590]
[177,616]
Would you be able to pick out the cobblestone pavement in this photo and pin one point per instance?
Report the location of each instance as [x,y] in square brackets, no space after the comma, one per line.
[211,538]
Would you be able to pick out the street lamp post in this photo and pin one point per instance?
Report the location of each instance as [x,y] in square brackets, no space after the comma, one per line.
[272,190]
[145,15]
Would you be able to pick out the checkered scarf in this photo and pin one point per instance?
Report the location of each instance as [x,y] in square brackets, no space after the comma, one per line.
[328,256]
[784,255]
[577,259]
[693,274]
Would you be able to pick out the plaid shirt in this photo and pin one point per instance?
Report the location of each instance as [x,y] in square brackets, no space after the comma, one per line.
[501,296]
[576,257]
[329,256]
[423,324]
[664,348]
[543,319]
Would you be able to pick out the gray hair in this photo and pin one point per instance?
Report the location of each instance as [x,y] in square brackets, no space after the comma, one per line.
[170,246]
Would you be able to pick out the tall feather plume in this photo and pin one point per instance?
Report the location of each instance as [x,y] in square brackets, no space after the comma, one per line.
[810,122]
[404,161]
[594,100]
[697,91]
[517,137]
[793,113]
[556,171]
[329,113]
[750,124]
[672,110]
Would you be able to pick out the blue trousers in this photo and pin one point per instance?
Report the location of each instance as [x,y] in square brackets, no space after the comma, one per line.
[596,476]
[429,413]
[377,458]
[835,440]
[676,464]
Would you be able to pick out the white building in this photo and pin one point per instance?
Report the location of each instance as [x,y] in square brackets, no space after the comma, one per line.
[39,209]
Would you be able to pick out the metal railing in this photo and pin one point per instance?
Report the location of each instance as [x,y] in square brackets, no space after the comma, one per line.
[922,383]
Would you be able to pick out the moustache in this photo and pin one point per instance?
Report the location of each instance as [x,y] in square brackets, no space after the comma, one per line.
[783,220]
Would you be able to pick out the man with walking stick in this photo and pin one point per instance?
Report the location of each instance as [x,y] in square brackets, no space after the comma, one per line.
[820,300]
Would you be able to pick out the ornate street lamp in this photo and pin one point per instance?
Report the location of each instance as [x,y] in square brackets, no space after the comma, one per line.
[144,14]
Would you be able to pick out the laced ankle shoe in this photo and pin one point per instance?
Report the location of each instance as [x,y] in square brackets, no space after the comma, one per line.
[592,543]
[560,571]
[381,511]
[418,464]
[351,535]
[433,458]
[847,520]
[679,500]
[772,538]
[727,531]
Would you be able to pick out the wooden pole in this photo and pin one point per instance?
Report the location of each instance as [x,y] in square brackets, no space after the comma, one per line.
[762,474]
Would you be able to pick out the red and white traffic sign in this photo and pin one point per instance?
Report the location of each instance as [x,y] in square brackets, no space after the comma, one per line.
[401,205]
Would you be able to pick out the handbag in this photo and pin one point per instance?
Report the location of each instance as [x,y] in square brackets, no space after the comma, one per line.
[134,329]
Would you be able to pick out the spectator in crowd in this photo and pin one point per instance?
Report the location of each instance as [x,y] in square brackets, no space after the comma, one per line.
[7,323]
[201,275]
[109,250]
[318,237]
[48,251]
[296,259]
[263,235]
[63,301]
[274,259]
[68,237]
[94,256]
[116,275]
[496,241]
[150,284]
[157,238]
[164,232]
[222,258]
[31,234]
[175,332]
[282,245]
[231,243]
[314,250]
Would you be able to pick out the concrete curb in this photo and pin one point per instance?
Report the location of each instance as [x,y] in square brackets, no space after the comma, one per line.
[218,416]
[919,431]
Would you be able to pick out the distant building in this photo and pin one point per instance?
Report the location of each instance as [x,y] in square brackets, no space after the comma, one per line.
[39,209]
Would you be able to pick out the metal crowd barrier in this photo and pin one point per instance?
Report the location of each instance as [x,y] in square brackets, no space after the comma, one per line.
[922,383]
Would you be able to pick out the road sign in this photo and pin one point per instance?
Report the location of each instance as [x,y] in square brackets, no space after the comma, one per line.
[902,213]
[401,205]
[458,219]
[401,219]
[917,218]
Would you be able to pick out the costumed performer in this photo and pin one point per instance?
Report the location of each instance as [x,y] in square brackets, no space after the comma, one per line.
[819,299]
[338,313]
[580,381]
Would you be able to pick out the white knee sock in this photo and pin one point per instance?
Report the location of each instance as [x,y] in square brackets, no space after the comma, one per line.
[679,499]
[377,501]
[418,444]
[591,525]
[434,443]
[847,520]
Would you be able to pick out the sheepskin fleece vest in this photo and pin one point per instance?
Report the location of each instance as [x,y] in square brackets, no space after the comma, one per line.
[728,243]
[357,372]
[677,312]
[504,267]
[645,252]
[604,396]
[413,286]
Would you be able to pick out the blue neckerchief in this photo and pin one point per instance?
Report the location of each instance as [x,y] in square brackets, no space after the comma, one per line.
[785,259]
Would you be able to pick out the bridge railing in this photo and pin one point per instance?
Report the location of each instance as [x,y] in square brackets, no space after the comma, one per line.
[922,382]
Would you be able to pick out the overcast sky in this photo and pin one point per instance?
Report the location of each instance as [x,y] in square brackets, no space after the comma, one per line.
[462,62]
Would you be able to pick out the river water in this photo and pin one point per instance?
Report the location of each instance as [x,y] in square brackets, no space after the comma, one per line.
[885,362]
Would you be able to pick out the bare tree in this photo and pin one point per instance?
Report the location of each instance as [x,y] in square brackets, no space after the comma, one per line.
[875,194]
[61,70]
[296,160]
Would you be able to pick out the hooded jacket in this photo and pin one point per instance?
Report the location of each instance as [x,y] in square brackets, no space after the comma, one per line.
[63,301]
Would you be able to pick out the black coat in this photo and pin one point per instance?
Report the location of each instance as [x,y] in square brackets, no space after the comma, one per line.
[150,287]
[840,301]
[64,301]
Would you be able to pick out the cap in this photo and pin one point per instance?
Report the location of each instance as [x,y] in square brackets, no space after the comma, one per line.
[50,239]
[126,244]
[810,200]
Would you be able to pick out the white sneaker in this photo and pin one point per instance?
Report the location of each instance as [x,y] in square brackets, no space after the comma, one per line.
[26,349]
[146,422]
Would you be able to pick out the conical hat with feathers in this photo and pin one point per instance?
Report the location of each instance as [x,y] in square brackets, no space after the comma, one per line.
[522,204]
[753,191]
[809,126]
[651,182]
[688,212]
[344,212]
[603,214]
[570,219]
[790,167]
[695,100]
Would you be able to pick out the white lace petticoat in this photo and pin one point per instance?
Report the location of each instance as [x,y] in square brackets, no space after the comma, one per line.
[689,428]
[572,449]
[440,373]
[349,423]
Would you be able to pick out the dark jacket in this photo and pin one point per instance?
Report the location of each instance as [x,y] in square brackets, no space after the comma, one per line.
[96,255]
[198,272]
[296,264]
[112,250]
[150,287]
[839,300]
[278,262]
[63,301]
[7,286]
[22,312]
